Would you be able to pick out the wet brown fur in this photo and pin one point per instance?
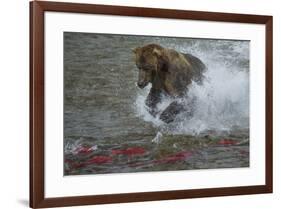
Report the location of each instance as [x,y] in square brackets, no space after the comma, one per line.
[168,69]
[170,72]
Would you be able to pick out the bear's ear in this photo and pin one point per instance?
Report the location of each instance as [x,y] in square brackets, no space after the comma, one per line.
[136,50]
[157,52]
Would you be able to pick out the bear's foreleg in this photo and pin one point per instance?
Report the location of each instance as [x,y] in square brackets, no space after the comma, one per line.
[175,108]
[170,113]
[153,98]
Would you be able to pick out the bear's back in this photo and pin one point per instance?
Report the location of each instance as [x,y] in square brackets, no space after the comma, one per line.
[197,67]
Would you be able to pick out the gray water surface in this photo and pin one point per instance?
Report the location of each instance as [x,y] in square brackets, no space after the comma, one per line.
[105,130]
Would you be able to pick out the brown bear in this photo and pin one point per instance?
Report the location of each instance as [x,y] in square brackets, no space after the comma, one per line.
[170,73]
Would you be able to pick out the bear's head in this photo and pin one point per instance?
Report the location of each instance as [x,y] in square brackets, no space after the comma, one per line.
[149,61]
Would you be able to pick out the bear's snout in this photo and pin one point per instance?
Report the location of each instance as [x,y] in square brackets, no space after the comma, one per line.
[141,84]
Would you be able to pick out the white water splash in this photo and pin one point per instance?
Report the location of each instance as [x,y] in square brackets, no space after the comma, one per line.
[158,138]
[77,146]
[222,102]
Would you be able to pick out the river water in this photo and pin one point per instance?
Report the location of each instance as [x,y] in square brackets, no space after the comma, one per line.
[107,128]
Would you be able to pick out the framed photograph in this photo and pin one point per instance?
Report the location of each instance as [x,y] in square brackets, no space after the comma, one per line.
[140,104]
